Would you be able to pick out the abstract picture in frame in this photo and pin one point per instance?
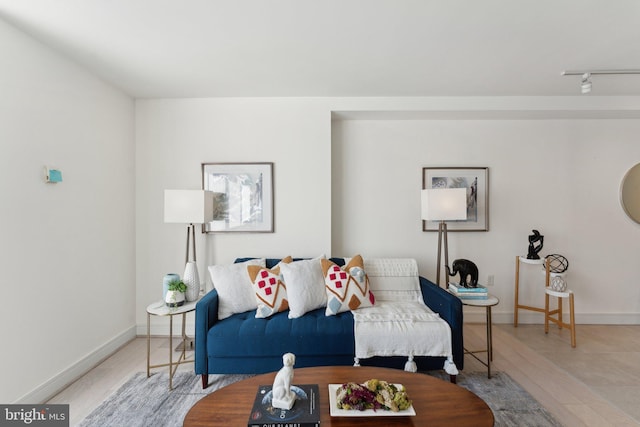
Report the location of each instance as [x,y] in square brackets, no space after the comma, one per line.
[243,197]
[476,182]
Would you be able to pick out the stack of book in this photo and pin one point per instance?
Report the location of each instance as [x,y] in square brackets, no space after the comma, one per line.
[305,411]
[480,292]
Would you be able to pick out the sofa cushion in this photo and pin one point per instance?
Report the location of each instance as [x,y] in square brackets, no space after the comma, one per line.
[305,286]
[347,288]
[244,335]
[235,290]
[269,288]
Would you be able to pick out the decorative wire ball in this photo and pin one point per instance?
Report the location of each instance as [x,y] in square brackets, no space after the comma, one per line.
[558,284]
[557,263]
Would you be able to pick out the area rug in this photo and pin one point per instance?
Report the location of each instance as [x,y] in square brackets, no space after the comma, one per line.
[143,401]
[512,405]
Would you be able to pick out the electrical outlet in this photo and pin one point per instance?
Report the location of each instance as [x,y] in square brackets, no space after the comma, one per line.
[490,280]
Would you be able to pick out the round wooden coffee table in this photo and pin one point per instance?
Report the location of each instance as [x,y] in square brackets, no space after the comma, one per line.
[436,402]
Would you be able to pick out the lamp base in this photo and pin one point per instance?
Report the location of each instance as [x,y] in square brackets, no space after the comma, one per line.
[442,235]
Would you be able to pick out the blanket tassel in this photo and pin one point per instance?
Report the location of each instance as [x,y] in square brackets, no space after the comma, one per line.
[450,367]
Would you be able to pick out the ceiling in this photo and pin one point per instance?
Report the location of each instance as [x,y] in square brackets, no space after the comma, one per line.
[220,48]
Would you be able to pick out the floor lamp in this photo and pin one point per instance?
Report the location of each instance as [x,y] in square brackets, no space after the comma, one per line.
[444,204]
[189,207]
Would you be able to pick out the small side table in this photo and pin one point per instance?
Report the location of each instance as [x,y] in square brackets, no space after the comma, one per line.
[159,308]
[487,304]
[517,305]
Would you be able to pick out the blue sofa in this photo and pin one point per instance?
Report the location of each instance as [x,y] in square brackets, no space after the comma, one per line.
[242,344]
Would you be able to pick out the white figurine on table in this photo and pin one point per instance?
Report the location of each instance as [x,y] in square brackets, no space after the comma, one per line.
[283,397]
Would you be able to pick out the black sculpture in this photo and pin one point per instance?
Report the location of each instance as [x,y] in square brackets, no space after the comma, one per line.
[466,269]
[535,239]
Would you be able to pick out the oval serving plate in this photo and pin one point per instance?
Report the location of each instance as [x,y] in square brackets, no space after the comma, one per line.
[335,412]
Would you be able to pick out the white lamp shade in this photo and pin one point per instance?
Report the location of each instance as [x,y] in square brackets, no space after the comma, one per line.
[444,204]
[188,206]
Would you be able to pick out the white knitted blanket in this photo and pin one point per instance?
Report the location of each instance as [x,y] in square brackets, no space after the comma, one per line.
[399,324]
[400,329]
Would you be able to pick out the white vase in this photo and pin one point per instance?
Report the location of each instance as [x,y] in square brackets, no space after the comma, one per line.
[558,284]
[192,280]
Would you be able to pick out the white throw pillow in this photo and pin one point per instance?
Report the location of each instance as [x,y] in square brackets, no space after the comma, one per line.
[235,290]
[305,286]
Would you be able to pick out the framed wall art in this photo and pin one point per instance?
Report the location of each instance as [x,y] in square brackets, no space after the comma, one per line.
[243,197]
[476,181]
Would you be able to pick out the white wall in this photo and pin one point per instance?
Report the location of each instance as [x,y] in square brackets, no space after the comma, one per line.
[67,253]
[68,258]
[352,185]
[561,177]
[174,137]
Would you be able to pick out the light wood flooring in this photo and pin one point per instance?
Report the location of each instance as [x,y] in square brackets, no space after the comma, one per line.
[595,384]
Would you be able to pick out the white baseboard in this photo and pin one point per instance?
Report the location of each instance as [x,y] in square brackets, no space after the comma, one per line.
[162,330]
[530,317]
[50,388]
[160,325]
[471,315]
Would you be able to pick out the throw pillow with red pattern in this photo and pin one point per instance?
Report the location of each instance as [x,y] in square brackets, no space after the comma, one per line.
[347,288]
[269,288]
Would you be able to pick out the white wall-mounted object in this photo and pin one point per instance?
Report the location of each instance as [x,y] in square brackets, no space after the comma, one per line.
[52,176]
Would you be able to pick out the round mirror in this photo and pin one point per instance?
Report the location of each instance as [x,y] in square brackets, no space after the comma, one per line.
[630,193]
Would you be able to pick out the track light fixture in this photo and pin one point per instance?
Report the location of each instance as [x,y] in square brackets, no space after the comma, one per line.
[585,84]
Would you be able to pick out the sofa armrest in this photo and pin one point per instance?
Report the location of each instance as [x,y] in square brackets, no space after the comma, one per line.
[449,308]
[206,317]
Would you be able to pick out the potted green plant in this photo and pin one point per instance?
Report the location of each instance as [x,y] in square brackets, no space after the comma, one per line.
[175,293]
